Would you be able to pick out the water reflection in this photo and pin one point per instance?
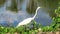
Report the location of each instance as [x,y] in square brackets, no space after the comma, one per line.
[2,2]
[31,6]
[24,9]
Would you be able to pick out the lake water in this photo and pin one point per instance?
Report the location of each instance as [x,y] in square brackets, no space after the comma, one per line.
[9,18]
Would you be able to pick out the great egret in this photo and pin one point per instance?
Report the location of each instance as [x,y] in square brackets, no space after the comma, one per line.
[28,20]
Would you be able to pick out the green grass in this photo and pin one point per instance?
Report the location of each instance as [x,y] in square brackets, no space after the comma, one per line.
[27,30]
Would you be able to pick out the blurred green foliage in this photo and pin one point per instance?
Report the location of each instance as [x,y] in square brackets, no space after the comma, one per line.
[21,29]
[55,24]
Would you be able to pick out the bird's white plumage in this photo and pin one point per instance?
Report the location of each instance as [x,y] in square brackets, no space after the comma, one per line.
[25,22]
[28,20]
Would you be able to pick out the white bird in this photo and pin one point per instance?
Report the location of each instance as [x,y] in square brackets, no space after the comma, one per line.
[28,20]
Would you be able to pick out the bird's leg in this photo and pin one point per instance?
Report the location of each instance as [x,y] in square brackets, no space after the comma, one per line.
[34,24]
[24,27]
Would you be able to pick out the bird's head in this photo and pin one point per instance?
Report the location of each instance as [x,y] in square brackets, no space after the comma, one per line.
[38,8]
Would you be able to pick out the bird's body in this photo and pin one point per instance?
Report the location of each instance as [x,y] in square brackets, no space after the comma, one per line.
[28,20]
[25,21]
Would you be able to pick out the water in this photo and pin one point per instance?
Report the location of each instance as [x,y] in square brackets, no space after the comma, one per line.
[10,18]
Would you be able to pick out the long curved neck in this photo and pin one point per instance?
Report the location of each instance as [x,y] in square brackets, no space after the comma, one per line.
[35,13]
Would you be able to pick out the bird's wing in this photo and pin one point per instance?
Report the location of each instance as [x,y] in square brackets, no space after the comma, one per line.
[24,22]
